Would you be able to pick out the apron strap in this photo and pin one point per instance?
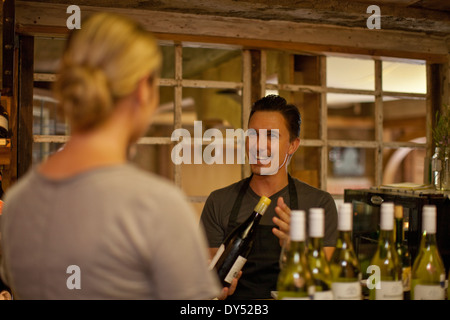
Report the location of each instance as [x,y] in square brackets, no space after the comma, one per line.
[232,222]
[293,198]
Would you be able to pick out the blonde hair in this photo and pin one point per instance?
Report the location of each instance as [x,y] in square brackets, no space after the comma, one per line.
[102,63]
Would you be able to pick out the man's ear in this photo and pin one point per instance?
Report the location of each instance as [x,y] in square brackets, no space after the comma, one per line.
[294,144]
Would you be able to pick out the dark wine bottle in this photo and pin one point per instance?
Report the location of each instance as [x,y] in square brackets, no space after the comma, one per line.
[403,252]
[233,252]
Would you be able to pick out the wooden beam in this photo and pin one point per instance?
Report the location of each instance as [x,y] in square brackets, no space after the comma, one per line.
[255,56]
[8,47]
[251,33]
[25,105]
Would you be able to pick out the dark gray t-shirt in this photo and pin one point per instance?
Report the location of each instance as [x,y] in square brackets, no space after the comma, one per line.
[132,235]
[217,209]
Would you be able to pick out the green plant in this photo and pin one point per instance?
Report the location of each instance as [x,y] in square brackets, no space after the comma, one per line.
[441,132]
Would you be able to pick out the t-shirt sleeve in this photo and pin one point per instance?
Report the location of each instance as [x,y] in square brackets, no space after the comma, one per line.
[210,221]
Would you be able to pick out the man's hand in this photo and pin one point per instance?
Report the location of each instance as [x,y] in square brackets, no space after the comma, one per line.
[282,221]
[230,290]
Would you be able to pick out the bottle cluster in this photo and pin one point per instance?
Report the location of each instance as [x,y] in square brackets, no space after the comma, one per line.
[307,274]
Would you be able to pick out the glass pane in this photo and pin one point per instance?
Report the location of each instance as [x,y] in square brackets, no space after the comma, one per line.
[309,106]
[288,68]
[404,164]
[350,73]
[162,119]
[41,151]
[404,77]
[404,119]
[305,165]
[350,168]
[47,54]
[214,107]
[212,64]
[350,117]
[168,63]
[153,158]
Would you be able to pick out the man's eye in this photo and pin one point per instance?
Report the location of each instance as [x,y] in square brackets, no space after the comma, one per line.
[274,135]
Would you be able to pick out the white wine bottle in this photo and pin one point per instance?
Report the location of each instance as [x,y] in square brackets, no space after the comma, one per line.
[345,269]
[403,252]
[428,272]
[318,263]
[387,283]
[295,280]
[233,252]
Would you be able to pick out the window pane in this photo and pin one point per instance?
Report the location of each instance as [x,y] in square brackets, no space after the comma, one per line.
[350,73]
[162,119]
[404,119]
[309,107]
[289,68]
[153,158]
[168,63]
[404,77]
[305,165]
[212,64]
[214,107]
[350,117]
[350,168]
[404,165]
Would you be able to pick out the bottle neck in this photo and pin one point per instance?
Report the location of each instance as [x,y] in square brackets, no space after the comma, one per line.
[399,233]
[428,240]
[315,243]
[297,246]
[386,239]
[344,240]
[251,221]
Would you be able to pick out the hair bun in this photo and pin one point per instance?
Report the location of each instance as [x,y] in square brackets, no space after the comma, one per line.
[86,95]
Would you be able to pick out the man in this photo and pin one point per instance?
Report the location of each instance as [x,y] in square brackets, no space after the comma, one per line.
[277,128]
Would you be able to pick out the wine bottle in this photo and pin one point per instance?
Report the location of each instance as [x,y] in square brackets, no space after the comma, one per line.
[387,283]
[428,273]
[403,252]
[318,263]
[4,120]
[345,269]
[295,280]
[233,252]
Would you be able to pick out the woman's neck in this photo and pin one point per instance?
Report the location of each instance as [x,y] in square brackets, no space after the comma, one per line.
[84,151]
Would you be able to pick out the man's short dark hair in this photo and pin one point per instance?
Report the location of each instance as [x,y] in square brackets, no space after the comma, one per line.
[290,112]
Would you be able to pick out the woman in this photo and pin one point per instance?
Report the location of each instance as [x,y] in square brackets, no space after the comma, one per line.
[85,223]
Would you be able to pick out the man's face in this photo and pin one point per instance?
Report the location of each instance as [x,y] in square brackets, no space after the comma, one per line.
[267,143]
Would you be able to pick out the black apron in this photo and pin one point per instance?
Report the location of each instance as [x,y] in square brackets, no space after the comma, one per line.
[260,273]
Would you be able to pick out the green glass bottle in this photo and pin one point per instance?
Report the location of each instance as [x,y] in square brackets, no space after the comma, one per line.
[403,252]
[428,272]
[345,268]
[295,280]
[318,263]
[386,283]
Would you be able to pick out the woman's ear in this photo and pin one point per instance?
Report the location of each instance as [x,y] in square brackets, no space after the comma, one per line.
[143,92]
